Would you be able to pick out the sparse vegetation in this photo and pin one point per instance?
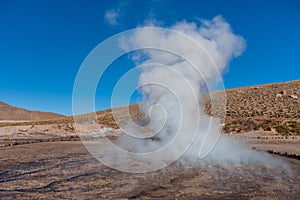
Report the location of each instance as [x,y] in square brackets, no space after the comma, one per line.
[282,129]
[249,108]
[266,107]
[294,127]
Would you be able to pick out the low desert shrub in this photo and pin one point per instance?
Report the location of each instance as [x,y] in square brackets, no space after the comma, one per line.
[294,127]
[282,129]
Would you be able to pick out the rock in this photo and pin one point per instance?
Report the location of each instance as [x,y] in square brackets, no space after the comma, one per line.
[293,96]
[283,92]
[278,95]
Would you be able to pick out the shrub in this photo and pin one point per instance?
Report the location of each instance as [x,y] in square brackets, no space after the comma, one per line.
[268,128]
[294,127]
[282,129]
[226,128]
[267,125]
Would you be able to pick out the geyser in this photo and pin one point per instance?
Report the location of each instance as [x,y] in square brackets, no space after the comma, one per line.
[178,66]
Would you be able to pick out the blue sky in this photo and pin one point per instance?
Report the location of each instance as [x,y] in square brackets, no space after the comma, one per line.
[43,43]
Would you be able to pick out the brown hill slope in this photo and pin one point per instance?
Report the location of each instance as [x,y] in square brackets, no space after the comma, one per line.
[271,107]
[8,112]
[281,100]
[263,107]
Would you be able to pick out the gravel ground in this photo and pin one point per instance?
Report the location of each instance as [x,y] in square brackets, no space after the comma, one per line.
[66,170]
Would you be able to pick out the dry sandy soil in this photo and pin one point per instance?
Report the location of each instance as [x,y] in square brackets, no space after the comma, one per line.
[266,141]
[66,170]
[45,159]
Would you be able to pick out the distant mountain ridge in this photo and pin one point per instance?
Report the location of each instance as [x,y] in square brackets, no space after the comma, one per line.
[8,112]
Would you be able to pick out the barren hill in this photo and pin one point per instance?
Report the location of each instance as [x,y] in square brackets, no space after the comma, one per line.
[270,107]
[281,100]
[8,112]
[267,107]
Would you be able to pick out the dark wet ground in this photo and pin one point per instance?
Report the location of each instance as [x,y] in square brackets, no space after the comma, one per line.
[65,170]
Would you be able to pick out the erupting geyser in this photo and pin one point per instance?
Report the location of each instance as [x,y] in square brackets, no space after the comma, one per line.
[178,68]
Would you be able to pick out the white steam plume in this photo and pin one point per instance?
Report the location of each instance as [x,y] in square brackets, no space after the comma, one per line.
[173,87]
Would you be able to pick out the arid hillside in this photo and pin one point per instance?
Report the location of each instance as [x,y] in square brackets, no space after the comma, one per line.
[271,107]
[281,101]
[8,112]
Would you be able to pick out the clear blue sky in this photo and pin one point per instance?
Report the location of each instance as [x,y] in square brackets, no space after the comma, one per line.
[43,42]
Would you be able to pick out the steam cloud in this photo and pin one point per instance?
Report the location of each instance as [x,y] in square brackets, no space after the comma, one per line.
[174,87]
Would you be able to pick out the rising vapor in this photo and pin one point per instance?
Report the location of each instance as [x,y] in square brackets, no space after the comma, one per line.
[170,83]
[179,67]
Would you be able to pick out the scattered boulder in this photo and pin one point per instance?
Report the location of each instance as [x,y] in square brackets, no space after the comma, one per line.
[293,96]
[283,92]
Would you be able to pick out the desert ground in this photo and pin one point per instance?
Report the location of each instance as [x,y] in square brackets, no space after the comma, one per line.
[66,170]
[45,158]
[61,167]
